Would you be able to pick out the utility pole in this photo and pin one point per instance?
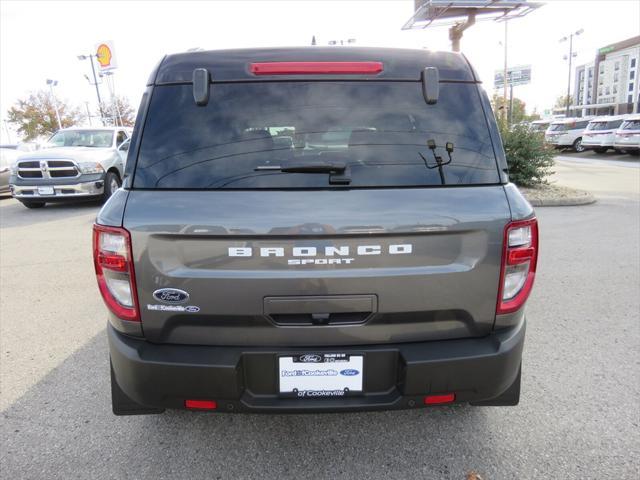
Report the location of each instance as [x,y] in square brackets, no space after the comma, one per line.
[95,82]
[570,58]
[506,71]
[53,83]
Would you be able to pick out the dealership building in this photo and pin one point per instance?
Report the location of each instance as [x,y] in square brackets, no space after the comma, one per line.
[610,84]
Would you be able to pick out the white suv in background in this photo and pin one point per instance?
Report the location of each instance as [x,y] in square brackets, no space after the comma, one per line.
[627,137]
[600,133]
[567,133]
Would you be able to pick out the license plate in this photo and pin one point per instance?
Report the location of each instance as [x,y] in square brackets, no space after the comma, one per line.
[45,191]
[320,375]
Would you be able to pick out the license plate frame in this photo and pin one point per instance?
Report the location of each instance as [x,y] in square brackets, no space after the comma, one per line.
[320,375]
[46,191]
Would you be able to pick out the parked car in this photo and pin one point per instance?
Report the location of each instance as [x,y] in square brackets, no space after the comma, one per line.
[567,133]
[77,164]
[627,137]
[600,133]
[539,125]
[387,271]
[8,156]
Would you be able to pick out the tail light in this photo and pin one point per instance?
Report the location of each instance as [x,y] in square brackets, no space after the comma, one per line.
[519,259]
[439,399]
[112,258]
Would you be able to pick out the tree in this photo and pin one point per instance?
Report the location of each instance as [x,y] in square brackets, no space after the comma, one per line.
[561,101]
[519,113]
[35,116]
[118,111]
[529,157]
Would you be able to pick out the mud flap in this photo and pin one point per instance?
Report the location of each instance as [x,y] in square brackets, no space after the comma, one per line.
[121,404]
[509,397]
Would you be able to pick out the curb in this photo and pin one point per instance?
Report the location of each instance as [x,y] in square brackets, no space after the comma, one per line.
[567,199]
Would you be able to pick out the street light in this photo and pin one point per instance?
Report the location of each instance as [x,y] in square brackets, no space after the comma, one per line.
[95,81]
[53,83]
[570,57]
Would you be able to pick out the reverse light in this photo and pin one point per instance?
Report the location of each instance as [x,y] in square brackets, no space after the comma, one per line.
[201,404]
[306,68]
[439,399]
[519,261]
[114,271]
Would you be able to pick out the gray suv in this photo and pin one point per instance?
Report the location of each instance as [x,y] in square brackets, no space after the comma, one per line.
[377,258]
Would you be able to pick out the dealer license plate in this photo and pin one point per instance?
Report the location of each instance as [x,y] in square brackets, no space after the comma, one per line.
[320,375]
[45,191]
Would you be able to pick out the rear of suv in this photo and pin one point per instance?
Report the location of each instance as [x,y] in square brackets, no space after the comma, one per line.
[377,258]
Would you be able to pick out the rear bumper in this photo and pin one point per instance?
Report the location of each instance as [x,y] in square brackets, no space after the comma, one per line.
[242,379]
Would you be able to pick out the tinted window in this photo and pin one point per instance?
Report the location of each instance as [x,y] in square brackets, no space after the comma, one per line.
[631,125]
[379,129]
[558,127]
[120,138]
[611,125]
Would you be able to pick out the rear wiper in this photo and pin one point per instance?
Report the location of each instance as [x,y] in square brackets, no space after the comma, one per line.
[439,161]
[339,171]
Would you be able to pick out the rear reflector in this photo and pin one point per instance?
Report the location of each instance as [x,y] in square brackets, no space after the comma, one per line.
[438,399]
[307,68]
[201,404]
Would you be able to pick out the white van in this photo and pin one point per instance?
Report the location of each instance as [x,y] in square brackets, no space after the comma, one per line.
[600,133]
[627,137]
[567,133]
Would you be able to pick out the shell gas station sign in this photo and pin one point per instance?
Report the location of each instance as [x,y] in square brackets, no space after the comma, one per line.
[105,54]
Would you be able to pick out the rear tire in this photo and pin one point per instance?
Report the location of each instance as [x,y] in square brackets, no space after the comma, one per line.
[509,398]
[121,404]
[635,153]
[577,146]
[32,204]
[111,184]
[601,149]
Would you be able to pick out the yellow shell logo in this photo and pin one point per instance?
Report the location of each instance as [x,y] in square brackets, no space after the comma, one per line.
[104,55]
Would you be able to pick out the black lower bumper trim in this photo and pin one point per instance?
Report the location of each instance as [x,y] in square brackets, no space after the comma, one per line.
[244,379]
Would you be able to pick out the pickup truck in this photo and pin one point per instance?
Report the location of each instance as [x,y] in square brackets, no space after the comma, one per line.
[77,164]
[379,260]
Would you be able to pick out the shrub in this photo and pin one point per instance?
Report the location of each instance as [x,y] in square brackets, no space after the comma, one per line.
[528,156]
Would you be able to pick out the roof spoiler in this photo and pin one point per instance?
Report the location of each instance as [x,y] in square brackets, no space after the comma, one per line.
[201,80]
[431,85]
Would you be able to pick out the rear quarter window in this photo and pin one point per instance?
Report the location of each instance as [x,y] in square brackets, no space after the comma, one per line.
[379,129]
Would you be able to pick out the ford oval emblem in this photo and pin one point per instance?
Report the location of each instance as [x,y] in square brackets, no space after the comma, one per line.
[349,372]
[309,358]
[171,295]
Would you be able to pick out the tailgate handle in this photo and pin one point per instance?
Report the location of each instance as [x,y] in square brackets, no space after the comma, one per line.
[316,310]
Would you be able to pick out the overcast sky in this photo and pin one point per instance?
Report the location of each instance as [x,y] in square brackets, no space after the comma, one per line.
[40,40]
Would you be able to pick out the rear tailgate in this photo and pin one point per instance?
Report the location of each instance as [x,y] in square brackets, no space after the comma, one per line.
[314,268]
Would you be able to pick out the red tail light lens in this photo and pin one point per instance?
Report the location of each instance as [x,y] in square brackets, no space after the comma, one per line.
[322,68]
[519,261]
[112,259]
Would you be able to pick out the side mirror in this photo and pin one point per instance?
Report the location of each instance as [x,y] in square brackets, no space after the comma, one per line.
[431,85]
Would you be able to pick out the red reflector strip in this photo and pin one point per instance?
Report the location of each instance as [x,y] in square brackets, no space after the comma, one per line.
[201,404]
[112,261]
[438,399]
[306,68]
[520,255]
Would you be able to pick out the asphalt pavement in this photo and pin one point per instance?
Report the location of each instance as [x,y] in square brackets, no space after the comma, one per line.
[579,414]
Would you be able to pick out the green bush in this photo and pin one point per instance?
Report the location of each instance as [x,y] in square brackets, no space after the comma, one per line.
[528,156]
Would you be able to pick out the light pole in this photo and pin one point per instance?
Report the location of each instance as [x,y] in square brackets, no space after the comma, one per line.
[53,83]
[570,57]
[95,81]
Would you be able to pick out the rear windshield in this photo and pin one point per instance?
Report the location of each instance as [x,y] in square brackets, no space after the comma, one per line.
[631,125]
[558,127]
[612,125]
[379,130]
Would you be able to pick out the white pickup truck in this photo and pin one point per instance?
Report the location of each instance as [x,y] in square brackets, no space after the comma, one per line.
[77,164]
